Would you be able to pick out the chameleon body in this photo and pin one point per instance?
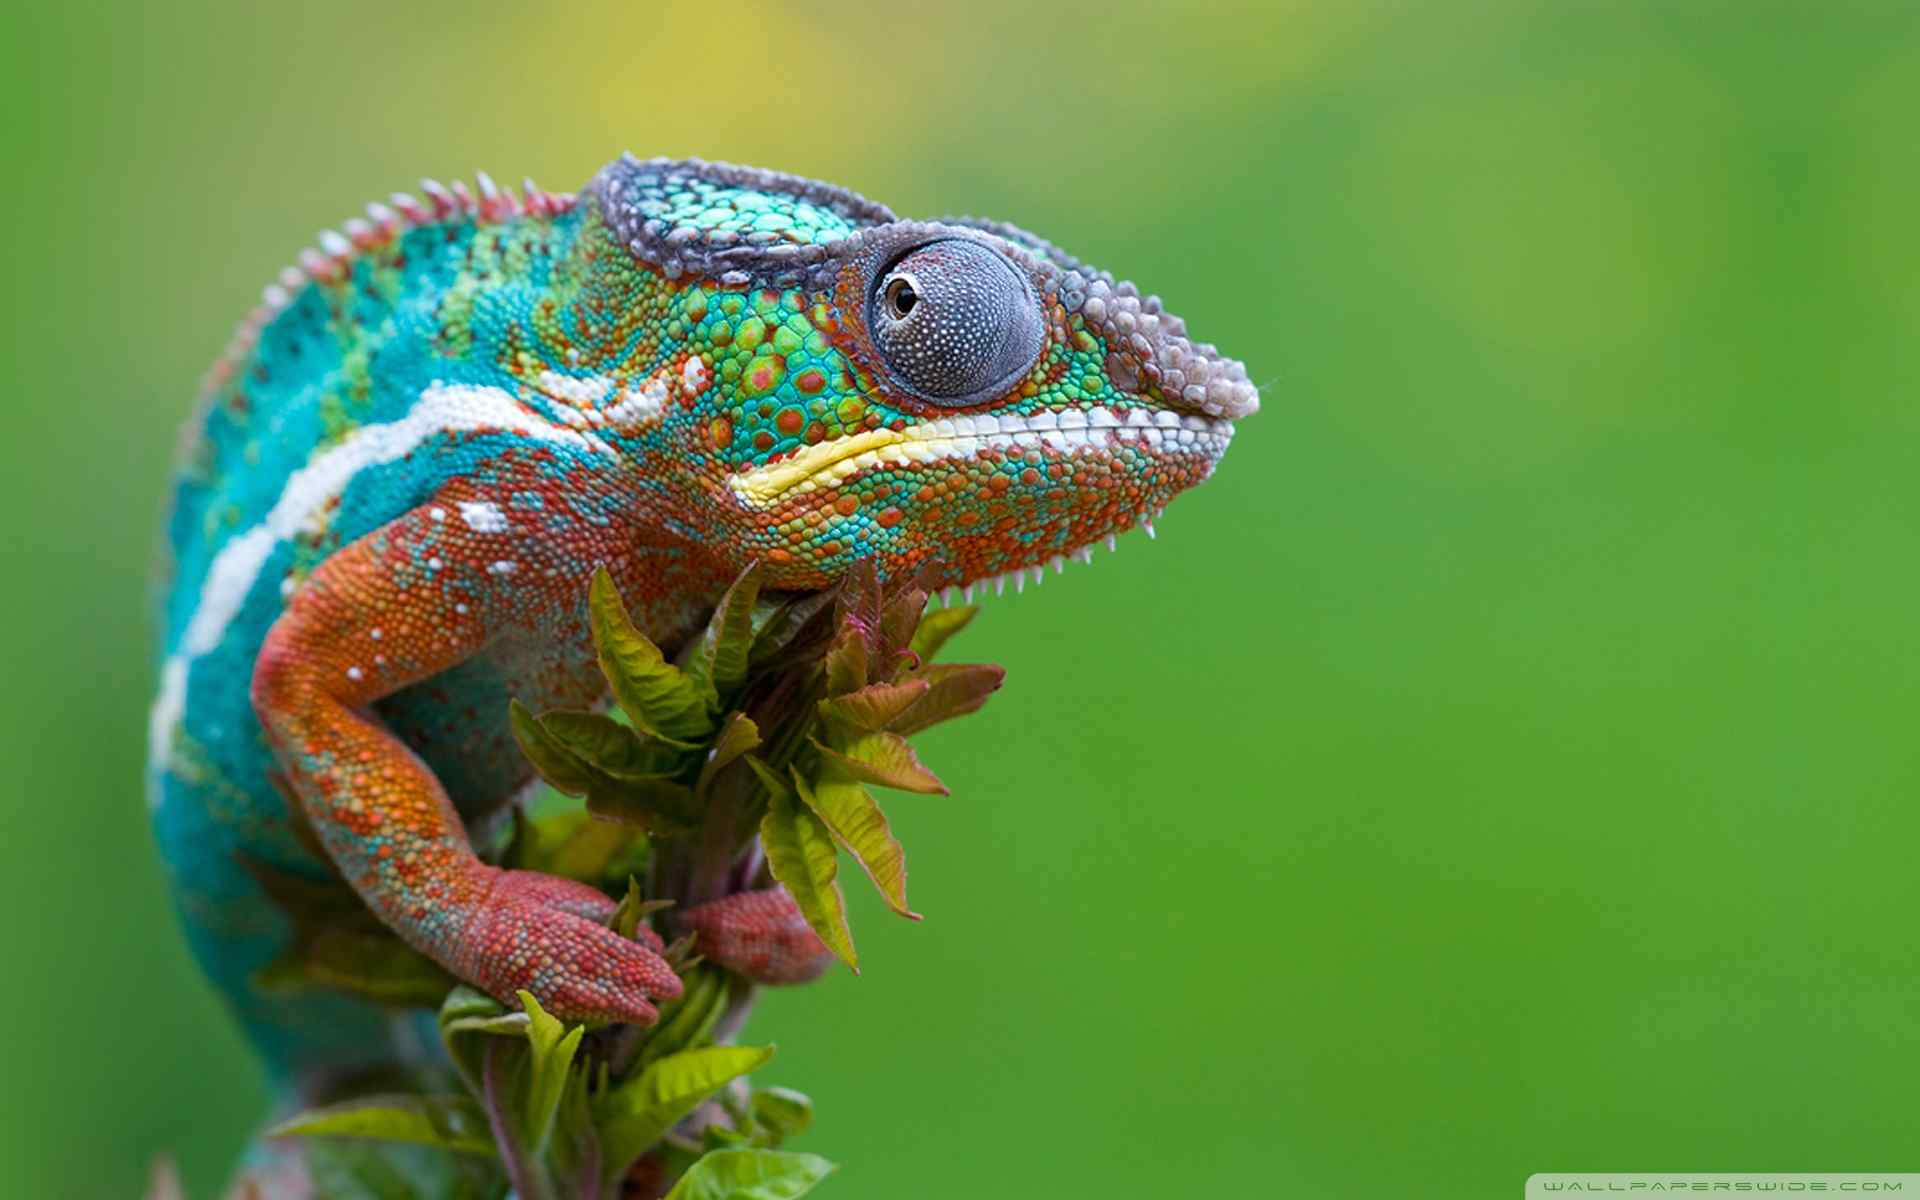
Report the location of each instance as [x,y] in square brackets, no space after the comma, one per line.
[420,447]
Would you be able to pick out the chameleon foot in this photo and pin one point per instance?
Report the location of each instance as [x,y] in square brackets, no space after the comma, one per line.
[760,935]
[548,936]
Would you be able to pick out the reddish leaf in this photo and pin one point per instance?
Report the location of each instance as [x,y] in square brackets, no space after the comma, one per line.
[857,601]
[885,759]
[953,690]
[875,706]
[847,662]
[898,623]
[787,624]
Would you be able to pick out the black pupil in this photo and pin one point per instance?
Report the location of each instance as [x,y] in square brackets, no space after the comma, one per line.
[901,297]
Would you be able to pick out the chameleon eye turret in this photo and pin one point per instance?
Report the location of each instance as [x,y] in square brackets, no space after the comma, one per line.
[955,323]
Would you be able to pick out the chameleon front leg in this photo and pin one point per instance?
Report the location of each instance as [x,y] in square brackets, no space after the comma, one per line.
[402,604]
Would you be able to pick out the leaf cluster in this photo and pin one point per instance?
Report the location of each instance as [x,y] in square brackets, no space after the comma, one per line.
[790,708]
[747,758]
[540,1111]
[875,685]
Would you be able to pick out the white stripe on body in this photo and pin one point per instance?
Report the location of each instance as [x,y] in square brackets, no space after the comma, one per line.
[442,408]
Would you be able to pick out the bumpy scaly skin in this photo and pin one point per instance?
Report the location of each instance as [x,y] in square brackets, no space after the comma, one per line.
[760,935]
[421,446]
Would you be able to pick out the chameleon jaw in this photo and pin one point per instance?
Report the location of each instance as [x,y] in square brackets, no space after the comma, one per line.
[829,464]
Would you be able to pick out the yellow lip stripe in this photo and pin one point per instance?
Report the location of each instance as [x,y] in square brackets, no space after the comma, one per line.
[762,486]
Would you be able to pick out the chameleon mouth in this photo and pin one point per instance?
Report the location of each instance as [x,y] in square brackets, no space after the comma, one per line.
[830,464]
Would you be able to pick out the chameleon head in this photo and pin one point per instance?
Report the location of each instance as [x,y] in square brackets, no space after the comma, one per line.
[958,392]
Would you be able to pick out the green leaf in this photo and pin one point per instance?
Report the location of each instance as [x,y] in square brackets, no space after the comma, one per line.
[782,1112]
[751,1175]
[573,844]
[769,778]
[687,1023]
[600,741]
[633,910]
[553,1049]
[554,744]
[503,1090]
[885,759]
[657,805]
[339,945]
[468,1019]
[504,1024]
[576,1146]
[953,690]
[719,662]
[553,758]
[800,853]
[657,696]
[643,1108]
[328,901]
[737,736]
[722,1137]
[856,822]
[362,1169]
[371,964]
[446,1122]
[847,662]
[875,706]
[469,1003]
[938,626]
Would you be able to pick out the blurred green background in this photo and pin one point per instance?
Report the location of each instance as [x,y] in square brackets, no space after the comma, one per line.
[1505,764]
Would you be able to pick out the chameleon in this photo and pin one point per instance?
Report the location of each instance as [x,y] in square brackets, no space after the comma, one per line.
[432,431]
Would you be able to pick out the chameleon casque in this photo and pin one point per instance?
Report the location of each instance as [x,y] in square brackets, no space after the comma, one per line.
[418,449]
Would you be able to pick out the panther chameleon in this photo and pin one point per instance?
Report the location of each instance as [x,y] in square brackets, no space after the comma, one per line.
[421,445]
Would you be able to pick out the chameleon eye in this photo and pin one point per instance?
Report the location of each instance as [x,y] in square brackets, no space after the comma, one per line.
[955,321]
[901,296]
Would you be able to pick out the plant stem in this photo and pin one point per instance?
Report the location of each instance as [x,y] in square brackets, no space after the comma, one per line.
[704,871]
[740,997]
[526,1175]
[718,840]
[590,1170]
